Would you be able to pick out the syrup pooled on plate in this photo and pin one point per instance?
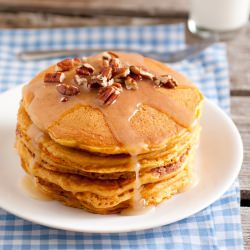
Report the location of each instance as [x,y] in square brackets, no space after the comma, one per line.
[29,186]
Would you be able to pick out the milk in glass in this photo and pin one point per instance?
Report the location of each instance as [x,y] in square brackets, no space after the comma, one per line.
[219,15]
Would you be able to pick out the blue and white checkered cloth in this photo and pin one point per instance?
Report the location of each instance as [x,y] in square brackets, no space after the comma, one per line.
[216,227]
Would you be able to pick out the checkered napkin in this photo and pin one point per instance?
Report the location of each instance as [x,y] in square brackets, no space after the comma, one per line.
[216,227]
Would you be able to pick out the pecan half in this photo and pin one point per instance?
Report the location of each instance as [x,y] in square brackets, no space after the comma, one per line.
[166,81]
[68,90]
[141,71]
[121,72]
[85,69]
[64,65]
[107,72]
[130,83]
[109,94]
[54,77]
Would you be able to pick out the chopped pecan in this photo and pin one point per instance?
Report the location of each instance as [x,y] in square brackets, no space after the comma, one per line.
[115,63]
[109,94]
[107,59]
[85,69]
[64,65]
[130,83]
[54,77]
[81,81]
[67,90]
[109,54]
[141,71]
[113,54]
[107,72]
[82,72]
[89,67]
[166,81]
[64,99]
[98,81]
[161,171]
[121,72]
[106,56]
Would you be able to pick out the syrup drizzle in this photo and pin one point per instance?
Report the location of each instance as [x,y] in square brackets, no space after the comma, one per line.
[35,134]
[29,183]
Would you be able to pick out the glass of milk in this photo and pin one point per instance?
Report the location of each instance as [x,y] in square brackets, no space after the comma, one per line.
[208,17]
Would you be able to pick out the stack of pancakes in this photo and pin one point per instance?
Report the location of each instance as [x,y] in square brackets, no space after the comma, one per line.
[74,156]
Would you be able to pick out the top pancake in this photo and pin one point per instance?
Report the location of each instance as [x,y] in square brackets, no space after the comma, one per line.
[148,117]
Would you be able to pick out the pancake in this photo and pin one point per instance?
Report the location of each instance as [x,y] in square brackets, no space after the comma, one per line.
[73,160]
[62,121]
[112,132]
[105,196]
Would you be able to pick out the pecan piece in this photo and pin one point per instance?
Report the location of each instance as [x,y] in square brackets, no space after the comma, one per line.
[106,56]
[166,81]
[98,81]
[54,77]
[121,72]
[141,71]
[115,63]
[82,72]
[109,54]
[109,94]
[89,67]
[113,54]
[68,90]
[117,86]
[81,81]
[107,72]
[64,65]
[85,69]
[130,83]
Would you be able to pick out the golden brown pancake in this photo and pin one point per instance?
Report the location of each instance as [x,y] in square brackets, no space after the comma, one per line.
[111,132]
[63,120]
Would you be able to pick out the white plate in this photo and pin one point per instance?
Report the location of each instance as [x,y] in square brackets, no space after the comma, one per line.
[220,158]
